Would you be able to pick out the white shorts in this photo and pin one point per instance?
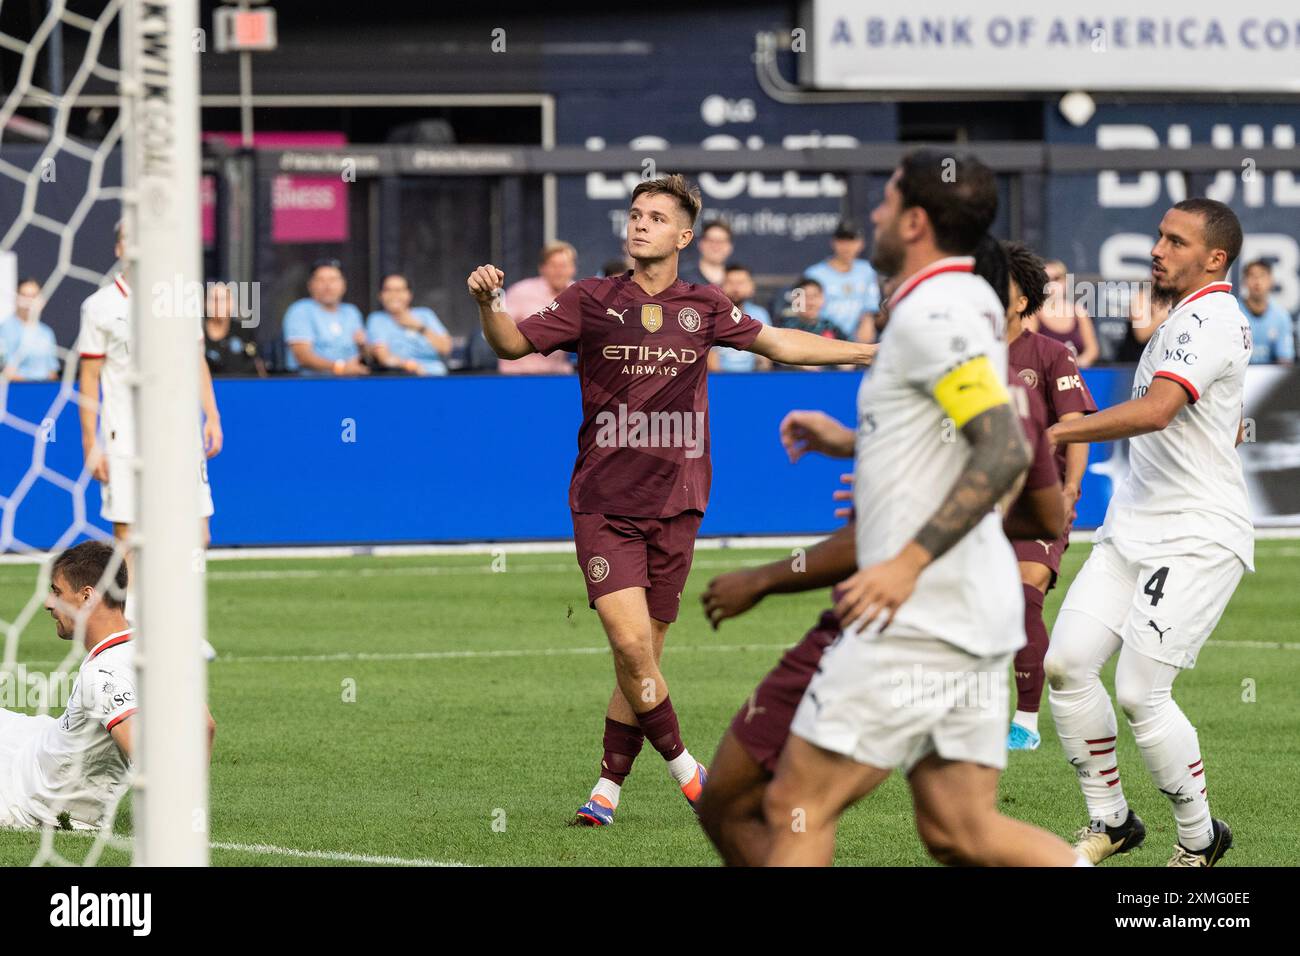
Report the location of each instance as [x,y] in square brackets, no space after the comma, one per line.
[1163,599]
[117,495]
[891,700]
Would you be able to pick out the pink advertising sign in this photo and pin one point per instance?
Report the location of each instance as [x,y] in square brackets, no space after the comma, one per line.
[304,208]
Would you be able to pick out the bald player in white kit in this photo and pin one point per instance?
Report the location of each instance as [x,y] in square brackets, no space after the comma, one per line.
[1176,541]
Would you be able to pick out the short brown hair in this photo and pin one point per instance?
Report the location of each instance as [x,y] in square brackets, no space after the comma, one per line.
[1220,225]
[716,224]
[86,564]
[677,186]
[1254,264]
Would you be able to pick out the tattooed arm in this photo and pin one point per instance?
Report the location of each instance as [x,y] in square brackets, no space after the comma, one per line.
[998,457]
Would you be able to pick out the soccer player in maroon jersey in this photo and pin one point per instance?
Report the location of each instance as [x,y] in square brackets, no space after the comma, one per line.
[641,481]
[1047,368]
[731,810]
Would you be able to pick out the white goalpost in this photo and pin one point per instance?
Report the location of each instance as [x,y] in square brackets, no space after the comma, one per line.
[157,128]
[161,212]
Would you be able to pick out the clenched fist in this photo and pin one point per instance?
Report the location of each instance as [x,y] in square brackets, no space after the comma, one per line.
[486,282]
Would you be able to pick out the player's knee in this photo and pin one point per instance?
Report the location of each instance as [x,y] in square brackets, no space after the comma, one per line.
[1135,696]
[940,841]
[784,807]
[632,652]
[1056,667]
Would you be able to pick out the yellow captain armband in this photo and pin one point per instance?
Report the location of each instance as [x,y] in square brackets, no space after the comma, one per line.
[970,389]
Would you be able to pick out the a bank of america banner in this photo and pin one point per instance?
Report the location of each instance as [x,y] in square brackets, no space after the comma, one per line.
[1186,45]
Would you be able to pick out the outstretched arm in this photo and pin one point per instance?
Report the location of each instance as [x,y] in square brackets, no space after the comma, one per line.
[796,347]
[1138,416]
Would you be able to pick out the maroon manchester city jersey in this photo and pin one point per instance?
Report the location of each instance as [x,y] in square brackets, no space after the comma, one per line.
[643,448]
[1047,367]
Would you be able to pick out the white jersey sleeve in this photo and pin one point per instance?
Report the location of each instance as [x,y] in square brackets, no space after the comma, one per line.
[91,341]
[110,691]
[1196,353]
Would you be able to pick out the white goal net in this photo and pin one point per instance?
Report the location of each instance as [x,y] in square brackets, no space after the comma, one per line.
[99,127]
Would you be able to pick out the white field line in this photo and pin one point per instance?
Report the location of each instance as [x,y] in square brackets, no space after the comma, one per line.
[558,547]
[265,849]
[584,651]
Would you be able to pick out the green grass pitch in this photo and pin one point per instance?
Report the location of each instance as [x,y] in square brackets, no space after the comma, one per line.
[432,709]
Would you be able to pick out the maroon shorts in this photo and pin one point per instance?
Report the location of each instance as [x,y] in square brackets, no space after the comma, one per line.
[1043,552]
[762,725]
[616,552]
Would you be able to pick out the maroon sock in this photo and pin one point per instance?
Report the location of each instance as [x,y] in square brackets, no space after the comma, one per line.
[1029,659]
[660,727]
[622,744]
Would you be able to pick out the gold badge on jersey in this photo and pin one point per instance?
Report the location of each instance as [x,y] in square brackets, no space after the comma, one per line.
[652,317]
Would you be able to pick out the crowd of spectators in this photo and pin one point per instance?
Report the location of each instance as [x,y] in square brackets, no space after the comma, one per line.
[838,297]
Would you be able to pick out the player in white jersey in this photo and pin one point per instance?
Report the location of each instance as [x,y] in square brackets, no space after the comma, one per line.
[917,680]
[71,771]
[108,434]
[1175,543]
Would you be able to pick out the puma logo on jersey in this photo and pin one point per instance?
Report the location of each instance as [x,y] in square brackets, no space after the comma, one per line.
[1200,322]
[752,709]
[1161,633]
[617,315]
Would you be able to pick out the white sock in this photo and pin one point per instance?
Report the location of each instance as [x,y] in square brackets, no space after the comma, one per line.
[1168,743]
[1027,720]
[682,767]
[1081,861]
[1085,719]
[608,789]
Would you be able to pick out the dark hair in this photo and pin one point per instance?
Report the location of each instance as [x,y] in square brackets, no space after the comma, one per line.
[1252,264]
[1221,227]
[991,265]
[85,565]
[805,281]
[324,264]
[1029,274]
[737,267]
[393,275]
[958,193]
[716,224]
[677,186]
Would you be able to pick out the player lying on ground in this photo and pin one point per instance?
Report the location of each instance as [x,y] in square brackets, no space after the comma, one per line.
[71,772]
[731,810]
[108,423]
[1047,369]
[641,481]
[1175,543]
[934,614]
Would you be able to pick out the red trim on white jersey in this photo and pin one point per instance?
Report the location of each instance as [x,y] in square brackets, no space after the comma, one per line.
[1192,393]
[121,637]
[120,717]
[92,354]
[950,264]
[122,287]
[1204,290]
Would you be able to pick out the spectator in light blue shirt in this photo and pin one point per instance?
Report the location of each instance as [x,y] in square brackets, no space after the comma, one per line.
[28,349]
[738,286]
[413,340]
[324,334]
[1271,330]
[849,284]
